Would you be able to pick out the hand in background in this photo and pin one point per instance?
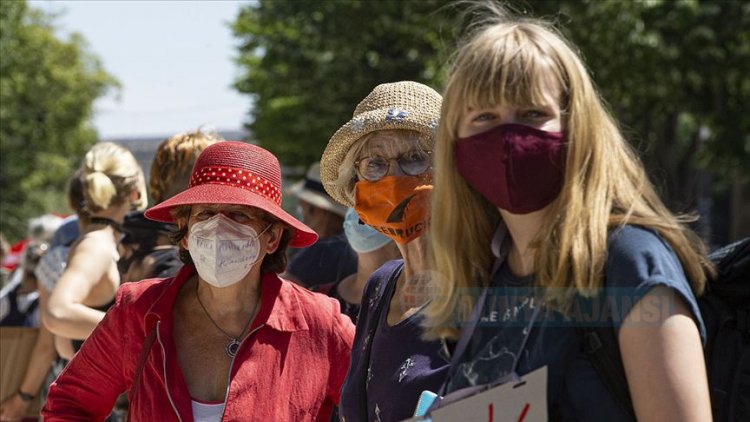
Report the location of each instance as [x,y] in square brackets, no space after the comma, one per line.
[13,408]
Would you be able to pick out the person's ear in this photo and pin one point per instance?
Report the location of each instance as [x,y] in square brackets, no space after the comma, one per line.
[135,194]
[276,231]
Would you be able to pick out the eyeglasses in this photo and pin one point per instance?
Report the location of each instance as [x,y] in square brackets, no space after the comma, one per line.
[376,167]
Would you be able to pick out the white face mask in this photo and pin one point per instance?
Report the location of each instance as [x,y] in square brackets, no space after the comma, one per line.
[223,250]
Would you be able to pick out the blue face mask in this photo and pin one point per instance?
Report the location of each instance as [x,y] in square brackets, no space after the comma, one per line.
[362,238]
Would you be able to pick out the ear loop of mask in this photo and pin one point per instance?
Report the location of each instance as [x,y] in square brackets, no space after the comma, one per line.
[264,230]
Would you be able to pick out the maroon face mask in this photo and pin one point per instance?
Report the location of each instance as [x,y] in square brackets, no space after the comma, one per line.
[515,167]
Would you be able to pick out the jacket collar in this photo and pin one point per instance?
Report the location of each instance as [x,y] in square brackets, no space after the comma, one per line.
[279,309]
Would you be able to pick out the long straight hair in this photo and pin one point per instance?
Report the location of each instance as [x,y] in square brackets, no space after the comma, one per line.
[509,61]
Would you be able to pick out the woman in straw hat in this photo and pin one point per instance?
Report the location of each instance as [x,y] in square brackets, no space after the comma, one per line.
[536,178]
[225,338]
[379,163]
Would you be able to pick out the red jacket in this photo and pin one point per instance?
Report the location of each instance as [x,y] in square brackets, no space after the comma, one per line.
[289,369]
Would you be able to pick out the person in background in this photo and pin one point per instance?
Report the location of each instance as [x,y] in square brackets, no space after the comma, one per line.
[112,184]
[53,263]
[331,259]
[225,338]
[70,228]
[373,250]
[142,252]
[19,298]
[44,354]
[41,231]
[541,201]
[380,164]
[146,248]
[174,160]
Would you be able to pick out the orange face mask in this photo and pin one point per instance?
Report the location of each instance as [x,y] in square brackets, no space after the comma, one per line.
[397,206]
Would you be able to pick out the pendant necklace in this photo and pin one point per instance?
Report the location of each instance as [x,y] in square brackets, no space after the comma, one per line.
[234,342]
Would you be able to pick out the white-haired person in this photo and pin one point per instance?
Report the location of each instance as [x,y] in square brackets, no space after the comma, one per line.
[540,200]
[226,338]
[380,164]
[112,184]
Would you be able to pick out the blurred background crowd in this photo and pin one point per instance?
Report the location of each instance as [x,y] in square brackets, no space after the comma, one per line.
[675,74]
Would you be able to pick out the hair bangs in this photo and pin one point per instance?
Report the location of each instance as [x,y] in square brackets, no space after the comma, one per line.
[502,69]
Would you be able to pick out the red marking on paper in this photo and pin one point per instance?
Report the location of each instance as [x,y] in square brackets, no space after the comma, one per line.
[524,412]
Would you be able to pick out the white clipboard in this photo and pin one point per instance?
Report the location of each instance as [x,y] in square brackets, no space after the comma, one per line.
[523,401]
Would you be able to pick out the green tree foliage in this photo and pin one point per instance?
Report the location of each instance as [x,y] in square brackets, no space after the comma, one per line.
[307,64]
[47,88]
[675,73]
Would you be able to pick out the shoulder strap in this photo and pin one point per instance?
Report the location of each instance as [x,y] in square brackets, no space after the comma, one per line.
[463,341]
[385,298]
[602,348]
[468,329]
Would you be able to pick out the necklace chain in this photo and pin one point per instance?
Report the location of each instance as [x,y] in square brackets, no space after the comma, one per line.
[234,342]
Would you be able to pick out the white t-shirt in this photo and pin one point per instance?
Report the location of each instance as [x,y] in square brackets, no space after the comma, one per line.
[206,412]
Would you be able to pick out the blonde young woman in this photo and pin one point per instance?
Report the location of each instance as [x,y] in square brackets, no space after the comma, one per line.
[538,196]
[113,184]
[379,163]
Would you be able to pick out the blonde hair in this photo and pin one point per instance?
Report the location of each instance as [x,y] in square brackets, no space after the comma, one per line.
[509,61]
[109,174]
[362,148]
[174,160]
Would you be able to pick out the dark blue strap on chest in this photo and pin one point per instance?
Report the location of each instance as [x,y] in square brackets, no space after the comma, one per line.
[468,332]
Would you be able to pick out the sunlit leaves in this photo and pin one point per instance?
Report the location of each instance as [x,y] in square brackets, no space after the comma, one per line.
[47,88]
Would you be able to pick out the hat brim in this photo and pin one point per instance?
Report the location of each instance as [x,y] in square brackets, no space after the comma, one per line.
[359,126]
[302,236]
[317,199]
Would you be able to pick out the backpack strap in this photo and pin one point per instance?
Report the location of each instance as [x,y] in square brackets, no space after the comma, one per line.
[601,346]
[600,343]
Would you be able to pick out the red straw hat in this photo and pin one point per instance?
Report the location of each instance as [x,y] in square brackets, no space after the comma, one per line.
[236,173]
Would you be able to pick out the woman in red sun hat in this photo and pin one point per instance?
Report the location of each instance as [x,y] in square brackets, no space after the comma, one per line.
[226,338]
